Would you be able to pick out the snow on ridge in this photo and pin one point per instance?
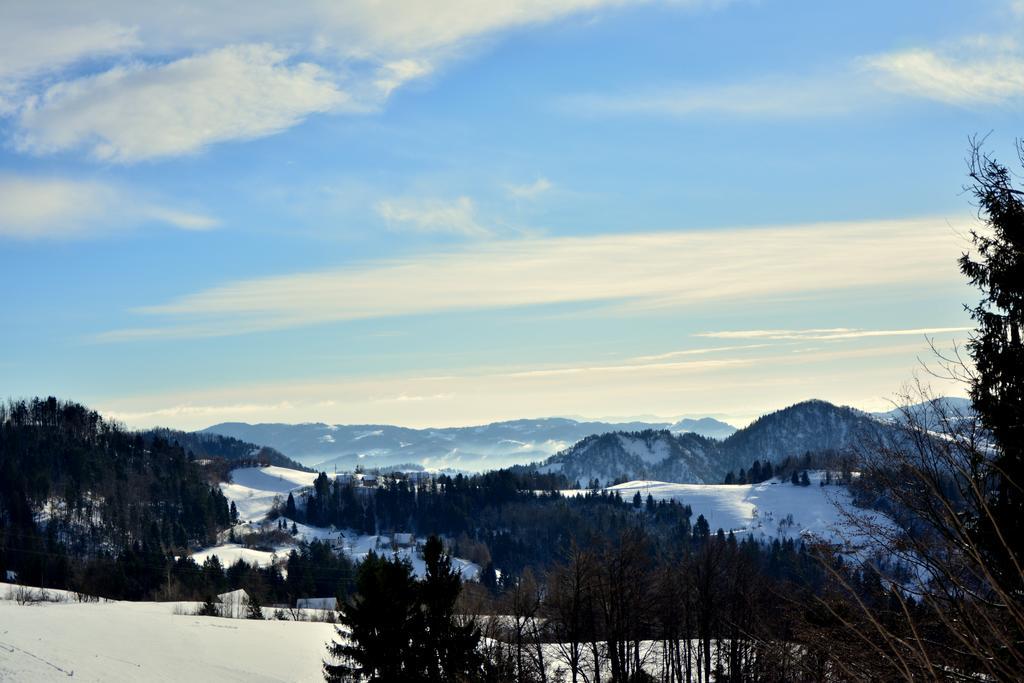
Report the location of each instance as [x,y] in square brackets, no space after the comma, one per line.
[771,509]
[648,452]
[363,435]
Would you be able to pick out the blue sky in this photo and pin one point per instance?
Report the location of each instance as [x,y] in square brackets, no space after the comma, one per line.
[456,212]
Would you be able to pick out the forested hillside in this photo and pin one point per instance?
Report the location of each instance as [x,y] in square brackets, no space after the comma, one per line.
[74,486]
[237,453]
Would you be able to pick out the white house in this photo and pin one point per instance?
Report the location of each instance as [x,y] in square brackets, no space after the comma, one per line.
[233,603]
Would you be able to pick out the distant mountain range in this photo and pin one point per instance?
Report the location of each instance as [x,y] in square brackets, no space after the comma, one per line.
[811,426]
[469,448]
[689,450]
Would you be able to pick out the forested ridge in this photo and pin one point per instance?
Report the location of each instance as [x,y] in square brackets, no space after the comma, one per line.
[76,488]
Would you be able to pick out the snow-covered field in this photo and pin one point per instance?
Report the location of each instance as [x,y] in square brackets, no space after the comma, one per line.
[147,641]
[253,489]
[769,509]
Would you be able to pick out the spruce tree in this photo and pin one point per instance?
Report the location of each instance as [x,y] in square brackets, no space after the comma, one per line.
[381,619]
[448,644]
[997,383]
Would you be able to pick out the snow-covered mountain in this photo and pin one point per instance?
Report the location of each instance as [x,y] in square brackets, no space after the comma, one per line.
[931,413]
[469,448]
[812,426]
[704,426]
[648,454]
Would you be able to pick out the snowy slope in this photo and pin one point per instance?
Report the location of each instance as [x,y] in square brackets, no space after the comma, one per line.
[631,455]
[146,641]
[230,553]
[760,509]
[253,489]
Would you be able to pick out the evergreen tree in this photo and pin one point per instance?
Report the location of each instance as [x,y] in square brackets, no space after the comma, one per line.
[209,607]
[804,479]
[449,644]
[997,385]
[638,500]
[289,508]
[701,529]
[381,618]
[255,610]
[795,479]
[234,513]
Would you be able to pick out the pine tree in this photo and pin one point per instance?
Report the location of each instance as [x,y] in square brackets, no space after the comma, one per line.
[795,479]
[289,508]
[804,479]
[637,500]
[234,513]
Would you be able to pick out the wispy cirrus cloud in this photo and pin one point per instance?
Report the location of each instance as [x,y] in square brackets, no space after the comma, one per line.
[671,269]
[981,70]
[56,208]
[532,190]
[828,334]
[982,76]
[481,395]
[456,217]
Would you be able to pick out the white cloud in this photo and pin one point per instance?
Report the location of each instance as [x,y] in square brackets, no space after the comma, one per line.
[829,334]
[783,97]
[738,388]
[697,352]
[197,73]
[671,269]
[531,190]
[978,70]
[395,74]
[34,207]
[980,77]
[137,112]
[432,216]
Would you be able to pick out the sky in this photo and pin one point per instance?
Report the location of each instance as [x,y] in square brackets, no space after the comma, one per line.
[451,213]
